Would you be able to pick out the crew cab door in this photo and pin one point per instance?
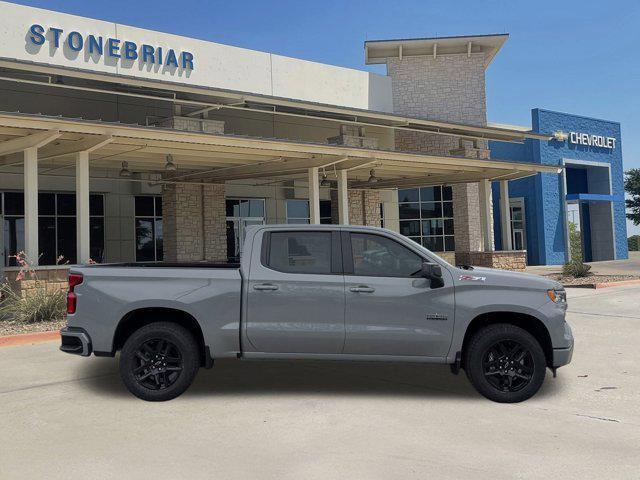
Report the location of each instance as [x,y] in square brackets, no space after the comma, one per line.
[390,308]
[295,298]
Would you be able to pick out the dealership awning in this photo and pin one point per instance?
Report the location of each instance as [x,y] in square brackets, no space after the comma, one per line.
[223,157]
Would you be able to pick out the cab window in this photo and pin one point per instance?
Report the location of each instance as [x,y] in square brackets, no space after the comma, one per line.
[374,255]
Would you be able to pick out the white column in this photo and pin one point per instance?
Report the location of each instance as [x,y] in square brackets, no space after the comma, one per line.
[82,207]
[485,215]
[31,204]
[505,215]
[343,198]
[314,196]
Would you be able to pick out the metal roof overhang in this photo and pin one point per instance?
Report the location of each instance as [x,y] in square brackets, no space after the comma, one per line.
[211,98]
[205,157]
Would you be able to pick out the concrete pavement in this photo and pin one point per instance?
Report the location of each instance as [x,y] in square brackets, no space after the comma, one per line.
[65,416]
[631,266]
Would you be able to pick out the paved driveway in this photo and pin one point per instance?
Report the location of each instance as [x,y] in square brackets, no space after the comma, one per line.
[66,417]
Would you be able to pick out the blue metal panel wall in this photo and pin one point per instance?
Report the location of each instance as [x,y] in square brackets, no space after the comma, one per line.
[543,193]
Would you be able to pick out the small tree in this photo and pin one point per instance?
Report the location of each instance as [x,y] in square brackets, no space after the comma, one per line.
[634,243]
[575,243]
[632,187]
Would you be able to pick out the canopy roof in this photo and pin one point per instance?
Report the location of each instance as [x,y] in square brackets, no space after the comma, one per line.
[218,158]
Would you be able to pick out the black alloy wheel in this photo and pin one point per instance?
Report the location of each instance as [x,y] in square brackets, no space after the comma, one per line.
[508,366]
[505,363]
[159,361]
[158,364]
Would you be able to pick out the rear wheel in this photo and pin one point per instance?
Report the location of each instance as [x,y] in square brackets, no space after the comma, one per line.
[159,361]
[505,363]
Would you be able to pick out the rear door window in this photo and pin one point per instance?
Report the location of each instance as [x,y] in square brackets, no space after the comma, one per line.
[300,252]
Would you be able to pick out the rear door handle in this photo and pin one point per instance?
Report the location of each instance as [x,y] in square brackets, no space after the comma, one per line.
[362,289]
[265,286]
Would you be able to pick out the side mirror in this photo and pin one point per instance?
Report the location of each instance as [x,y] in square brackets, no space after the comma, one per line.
[433,272]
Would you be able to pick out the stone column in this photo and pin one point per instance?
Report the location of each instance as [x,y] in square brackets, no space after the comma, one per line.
[215,223]
[182,218]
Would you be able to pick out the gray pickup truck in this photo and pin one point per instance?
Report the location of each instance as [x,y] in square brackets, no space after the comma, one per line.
[321,292]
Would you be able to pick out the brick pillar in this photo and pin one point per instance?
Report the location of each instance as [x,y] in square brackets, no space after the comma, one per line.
[215,223]
[182,223]
[466,217]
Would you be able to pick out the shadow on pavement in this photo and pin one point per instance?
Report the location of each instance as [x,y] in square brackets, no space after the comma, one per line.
[232,377]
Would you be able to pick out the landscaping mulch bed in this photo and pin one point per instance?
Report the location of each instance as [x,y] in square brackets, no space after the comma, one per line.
[16,328]
[591,280]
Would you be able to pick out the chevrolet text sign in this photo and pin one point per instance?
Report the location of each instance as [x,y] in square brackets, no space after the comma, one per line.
[592,140]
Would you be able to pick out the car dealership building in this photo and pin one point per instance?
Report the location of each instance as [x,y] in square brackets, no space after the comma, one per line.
[119,144]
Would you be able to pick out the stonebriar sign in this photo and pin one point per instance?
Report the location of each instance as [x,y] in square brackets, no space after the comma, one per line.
[115,48]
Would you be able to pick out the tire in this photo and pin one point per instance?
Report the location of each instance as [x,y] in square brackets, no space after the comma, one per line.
[159,361]
[505,363]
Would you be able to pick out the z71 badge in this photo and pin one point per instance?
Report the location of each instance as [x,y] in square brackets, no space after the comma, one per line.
[471,278]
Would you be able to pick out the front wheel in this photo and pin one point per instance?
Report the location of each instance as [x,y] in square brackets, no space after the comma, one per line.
[159,361]
[505,363]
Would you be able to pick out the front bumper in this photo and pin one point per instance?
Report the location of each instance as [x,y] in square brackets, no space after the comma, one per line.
[562,356]
[75,341]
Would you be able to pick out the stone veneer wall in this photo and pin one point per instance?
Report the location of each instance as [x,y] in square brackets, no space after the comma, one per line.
[52,279]
[194,223]
[448,88]
[505,259]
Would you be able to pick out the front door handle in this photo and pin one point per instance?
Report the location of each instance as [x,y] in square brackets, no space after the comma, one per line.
[362,289]
[265,286]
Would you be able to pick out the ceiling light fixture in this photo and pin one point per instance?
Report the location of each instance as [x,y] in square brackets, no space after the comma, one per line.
[324,182]
[372,177]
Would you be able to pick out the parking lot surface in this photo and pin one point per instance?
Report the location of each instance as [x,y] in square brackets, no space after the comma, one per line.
[68,417]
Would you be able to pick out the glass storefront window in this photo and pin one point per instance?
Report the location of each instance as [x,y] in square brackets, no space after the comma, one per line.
[148,225]
[56,227]
[298,211]
[426,216]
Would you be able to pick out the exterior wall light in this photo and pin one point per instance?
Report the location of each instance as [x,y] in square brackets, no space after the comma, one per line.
[124,171]
[170,166]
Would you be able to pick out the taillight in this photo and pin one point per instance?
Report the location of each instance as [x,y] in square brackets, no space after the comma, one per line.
[74,279]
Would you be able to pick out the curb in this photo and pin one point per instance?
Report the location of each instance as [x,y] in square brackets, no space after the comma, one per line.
[28,338]
[606,284]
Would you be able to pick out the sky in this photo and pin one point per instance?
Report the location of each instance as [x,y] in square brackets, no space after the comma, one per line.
[578,57]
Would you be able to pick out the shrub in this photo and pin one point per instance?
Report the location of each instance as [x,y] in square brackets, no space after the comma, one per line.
[576,269]
[38,305]
[634,243]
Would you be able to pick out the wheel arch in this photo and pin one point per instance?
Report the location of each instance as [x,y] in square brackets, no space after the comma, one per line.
[140,317]
[527,322]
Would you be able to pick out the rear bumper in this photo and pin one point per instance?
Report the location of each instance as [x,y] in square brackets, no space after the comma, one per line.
[75,341]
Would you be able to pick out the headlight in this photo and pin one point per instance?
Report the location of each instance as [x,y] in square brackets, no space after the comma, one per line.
[557,296]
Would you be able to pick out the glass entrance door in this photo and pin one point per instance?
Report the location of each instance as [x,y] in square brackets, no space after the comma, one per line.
[518,233]
[241,214]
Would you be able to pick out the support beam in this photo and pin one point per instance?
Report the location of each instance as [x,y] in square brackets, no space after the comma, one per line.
[82,207]
[69,147]
[31,205]
[314,196]
[505,215]
[35,140]
[343,198]
[485,214]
